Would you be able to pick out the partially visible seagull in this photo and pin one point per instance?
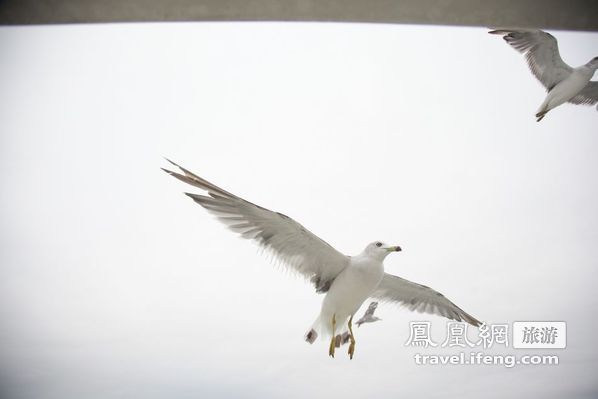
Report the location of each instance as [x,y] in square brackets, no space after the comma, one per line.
[369,317]
[563,83]
[347,280]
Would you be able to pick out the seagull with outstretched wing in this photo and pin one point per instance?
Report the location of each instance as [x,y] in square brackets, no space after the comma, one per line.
[347,280]
[368,316]
[563,83]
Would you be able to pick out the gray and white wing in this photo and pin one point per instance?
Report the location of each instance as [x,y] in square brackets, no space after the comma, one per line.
[420,298]
[588,95]
[290,242]
[541,53]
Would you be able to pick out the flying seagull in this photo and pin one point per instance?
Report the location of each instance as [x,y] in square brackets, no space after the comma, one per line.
[347,280]
[369,317]
[563,83]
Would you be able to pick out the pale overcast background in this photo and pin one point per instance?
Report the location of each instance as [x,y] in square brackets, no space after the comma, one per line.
[115,285]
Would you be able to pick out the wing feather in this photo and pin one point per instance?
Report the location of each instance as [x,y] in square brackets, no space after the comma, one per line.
[289,241]
[541,52]
[588,95]
[420,298]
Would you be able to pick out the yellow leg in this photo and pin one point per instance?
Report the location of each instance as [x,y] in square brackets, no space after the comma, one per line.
[352,338]
[333,339]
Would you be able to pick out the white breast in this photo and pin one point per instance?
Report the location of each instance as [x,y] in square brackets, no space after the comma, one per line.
[351,288]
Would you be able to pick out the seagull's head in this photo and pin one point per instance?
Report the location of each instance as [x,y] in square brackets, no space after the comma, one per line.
[593,63]
[380,250]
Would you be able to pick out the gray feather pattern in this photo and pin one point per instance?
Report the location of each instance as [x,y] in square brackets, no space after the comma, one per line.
[289,241]
[420,298]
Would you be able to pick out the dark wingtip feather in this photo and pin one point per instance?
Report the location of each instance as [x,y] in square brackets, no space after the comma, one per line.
[472,320]
[168,160]
[499,32]
[193,196]
[198,198]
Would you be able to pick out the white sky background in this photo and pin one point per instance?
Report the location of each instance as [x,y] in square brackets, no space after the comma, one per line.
[114,284]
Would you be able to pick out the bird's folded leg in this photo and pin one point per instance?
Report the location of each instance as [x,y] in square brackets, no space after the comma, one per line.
[333,339]
[352,338]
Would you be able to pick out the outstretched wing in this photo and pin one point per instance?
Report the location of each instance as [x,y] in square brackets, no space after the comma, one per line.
[588,95]
[289,241]
[420,298]
[541,53]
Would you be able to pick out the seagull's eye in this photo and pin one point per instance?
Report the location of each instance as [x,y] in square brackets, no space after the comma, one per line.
[378,244]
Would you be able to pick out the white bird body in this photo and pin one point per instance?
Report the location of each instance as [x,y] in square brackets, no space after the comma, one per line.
[350,289]
[566,89]
[563,83]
